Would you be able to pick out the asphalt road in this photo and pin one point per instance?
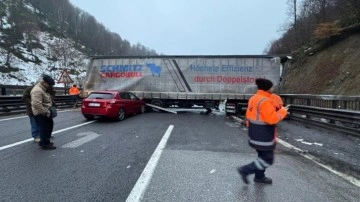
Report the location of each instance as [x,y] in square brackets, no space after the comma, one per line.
[103,160]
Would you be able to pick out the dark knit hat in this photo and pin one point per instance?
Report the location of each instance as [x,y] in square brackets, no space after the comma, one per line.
[263,84]
[47,79]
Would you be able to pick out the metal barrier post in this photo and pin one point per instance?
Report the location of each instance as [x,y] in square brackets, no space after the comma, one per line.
[334,105]
[308,103]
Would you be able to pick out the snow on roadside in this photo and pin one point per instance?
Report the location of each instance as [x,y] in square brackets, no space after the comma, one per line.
[30,72]
[309,143]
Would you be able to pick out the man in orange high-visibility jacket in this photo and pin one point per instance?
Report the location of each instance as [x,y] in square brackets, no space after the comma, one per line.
[278,103]
[75,94]
[262,117]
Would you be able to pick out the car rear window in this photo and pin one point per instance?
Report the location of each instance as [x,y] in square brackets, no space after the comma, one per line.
[100,96]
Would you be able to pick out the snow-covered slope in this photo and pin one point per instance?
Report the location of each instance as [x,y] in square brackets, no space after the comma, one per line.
[68,58]
[51,55]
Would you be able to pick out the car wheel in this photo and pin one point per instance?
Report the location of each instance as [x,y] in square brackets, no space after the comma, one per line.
[142,110]
[89,117]
[121,115]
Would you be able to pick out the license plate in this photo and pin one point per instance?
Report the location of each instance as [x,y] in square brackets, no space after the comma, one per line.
[94,104]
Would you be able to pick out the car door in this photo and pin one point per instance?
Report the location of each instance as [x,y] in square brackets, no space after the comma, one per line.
[126,102]
[136,102]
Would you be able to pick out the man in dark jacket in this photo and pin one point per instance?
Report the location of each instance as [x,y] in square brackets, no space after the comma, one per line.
[34,127]
[41,102]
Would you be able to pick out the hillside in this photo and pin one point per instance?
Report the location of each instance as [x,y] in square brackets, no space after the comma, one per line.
[48,36]
[331,70]
[323,39]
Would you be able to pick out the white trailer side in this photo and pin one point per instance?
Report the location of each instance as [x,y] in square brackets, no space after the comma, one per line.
[182,80]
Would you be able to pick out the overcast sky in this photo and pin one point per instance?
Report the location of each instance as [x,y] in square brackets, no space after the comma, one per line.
[188,27]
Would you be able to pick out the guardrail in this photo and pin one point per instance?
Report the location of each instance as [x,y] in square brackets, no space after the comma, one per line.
[14,104]
[14,90]
[344,121]
[335,112]
[11,102]
[323,101]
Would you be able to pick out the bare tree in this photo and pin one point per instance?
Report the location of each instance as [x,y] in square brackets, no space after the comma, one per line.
[292,4]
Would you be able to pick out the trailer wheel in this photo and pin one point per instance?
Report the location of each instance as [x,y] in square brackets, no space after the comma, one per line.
[158,103]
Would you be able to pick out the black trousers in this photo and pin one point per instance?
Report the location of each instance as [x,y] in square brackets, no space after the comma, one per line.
[264,160]
[75,99]
[46,125]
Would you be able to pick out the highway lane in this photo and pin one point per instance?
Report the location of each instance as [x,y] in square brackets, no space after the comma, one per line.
[105,168]
[198,163]
[17,128]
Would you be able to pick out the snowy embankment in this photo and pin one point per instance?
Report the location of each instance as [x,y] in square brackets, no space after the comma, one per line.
[53,55]
[68,58]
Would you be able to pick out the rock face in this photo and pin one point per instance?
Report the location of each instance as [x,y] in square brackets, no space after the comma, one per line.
[332,70]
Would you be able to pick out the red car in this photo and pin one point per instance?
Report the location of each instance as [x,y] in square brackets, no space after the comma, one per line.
[111,104]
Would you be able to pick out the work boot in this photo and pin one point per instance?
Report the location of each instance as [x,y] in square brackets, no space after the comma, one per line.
[265,180]
[48,147]
[243,175]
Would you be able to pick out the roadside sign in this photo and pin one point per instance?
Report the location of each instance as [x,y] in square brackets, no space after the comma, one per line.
[65,78]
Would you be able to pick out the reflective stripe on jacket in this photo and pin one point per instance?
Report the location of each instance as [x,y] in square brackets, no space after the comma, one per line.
[262,117]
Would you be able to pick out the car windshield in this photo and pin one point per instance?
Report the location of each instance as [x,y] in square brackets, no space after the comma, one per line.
[100,96]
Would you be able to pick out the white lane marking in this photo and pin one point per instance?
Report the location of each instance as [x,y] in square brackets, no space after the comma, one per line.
[142,183]
[20,117]
[347,177]
[88,137]
[31,139]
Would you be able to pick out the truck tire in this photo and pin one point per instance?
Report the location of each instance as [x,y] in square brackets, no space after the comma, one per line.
[158,103]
